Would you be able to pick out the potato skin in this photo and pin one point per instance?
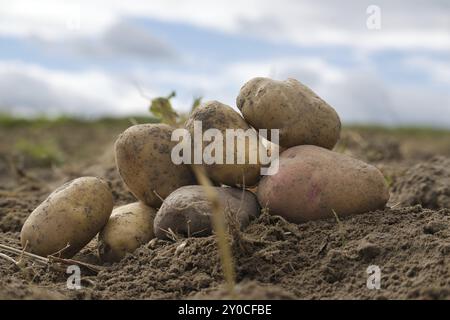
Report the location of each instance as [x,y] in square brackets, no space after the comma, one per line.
[143,158]
[301,116]
[214,114]
[129,227]
[73,214]
[187,211]
[313,181]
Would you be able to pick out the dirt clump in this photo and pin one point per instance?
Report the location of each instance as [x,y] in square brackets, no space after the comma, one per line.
[247,290]
[19,291]
[426,183]
[374,149]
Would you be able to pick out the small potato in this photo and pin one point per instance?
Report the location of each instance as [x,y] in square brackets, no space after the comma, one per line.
[312,182]
[216,115]
[143,158]
[71,216]
[129,227]
[188,212]
[301,116]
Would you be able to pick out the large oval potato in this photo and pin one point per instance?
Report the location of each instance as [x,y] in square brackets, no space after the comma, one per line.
[71,216]
[216,115]
[129,227]
[188,212]
[143,157]
[313,181]
[301,116]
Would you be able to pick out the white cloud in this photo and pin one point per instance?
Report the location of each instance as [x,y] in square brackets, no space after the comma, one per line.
[404,24]
[31,89]
[310,69]
[438,70]
[224,83]
[363,96]
[358,94]
[122,39]
[420,105]
[53,19]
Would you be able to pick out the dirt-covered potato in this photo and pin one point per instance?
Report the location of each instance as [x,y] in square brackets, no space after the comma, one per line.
[143,158]
[69,218]
[216,115]
[301,116]
[188,212]
[313,181]
[129,227]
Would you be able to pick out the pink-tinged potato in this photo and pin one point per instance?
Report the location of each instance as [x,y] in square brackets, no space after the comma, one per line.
[313,181]
[302,117]
[143,158]
[129,227]
[69,218]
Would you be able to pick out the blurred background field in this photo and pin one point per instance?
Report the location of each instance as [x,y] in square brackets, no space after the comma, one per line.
[47,142]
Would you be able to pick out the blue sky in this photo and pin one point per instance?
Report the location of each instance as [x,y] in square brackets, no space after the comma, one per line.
[90,57]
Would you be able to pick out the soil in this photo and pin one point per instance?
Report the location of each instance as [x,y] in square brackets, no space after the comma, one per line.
[274,259]
[426,183]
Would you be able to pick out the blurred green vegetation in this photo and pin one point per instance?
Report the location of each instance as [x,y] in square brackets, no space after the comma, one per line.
[162,109]
[53,141]
[406,130]
[41,154]
[10,121]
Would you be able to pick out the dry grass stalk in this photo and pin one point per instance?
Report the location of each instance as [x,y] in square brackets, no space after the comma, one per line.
[341,228]
[219,228]
[51,261]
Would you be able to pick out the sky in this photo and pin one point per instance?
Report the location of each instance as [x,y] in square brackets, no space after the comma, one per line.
[378,61]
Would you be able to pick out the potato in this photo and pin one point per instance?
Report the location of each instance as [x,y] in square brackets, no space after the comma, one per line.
[129,227]
[216,115]
[188,212]
[313,181]
[300,115]
[143,158]
[71,216]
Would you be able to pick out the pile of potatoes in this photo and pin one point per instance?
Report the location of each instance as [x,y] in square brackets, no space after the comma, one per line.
[312,182]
